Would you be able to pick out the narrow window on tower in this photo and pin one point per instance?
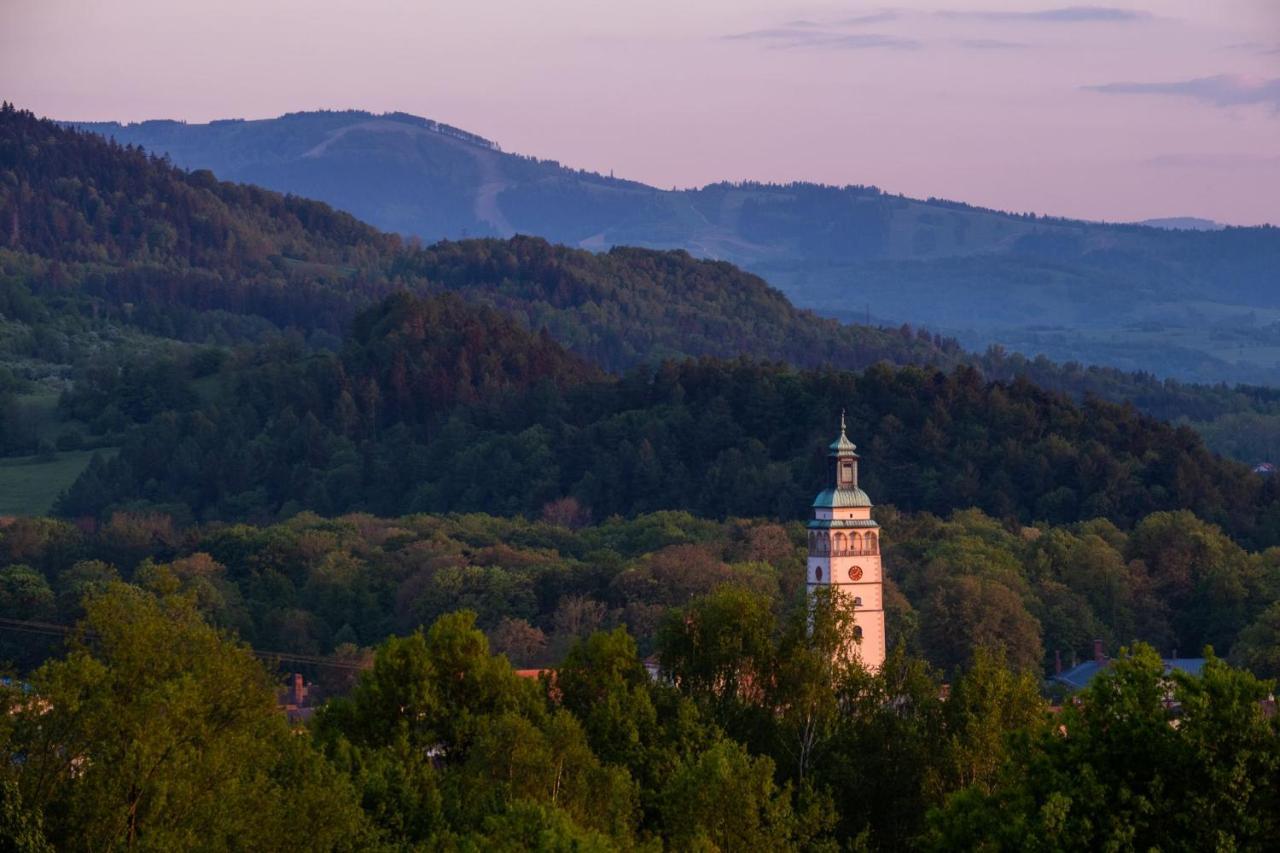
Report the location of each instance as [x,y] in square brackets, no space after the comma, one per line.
[846,472]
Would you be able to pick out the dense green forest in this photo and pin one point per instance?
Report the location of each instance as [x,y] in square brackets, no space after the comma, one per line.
[433,405]
[154,730]
[329,586]
[750,737]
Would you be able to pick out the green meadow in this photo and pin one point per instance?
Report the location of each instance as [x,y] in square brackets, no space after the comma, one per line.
[29,485]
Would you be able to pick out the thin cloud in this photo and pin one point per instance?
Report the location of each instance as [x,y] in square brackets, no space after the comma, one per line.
[1222,90]
[859,41]
[811,37]
[869,18]
[1213,161]
[832,35]
[991,44]
[1064,15]
[777,34]
[1255,47]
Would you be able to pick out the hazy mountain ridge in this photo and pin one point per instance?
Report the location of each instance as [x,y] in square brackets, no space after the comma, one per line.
[740,221]
[199,260]
[132,230]
[1194,304]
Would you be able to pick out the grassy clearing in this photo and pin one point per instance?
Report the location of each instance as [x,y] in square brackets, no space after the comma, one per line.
[30,485]
[38,413]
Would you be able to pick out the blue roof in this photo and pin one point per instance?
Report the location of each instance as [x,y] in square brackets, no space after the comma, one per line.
[1191,666]
[1078,677]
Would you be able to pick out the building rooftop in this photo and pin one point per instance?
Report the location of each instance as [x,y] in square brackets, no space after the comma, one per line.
[1078,677]
[841,498]
[843,444]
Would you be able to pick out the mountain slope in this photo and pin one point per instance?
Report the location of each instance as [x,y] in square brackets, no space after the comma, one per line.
[142,242]
[94,277]
[1201,305]
[628,306]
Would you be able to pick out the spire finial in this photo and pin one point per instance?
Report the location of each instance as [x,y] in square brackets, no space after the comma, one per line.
[842,444]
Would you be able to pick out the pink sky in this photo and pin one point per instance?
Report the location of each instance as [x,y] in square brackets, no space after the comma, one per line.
[1106,109]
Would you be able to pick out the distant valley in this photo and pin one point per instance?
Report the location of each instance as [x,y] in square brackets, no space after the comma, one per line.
[1183,298]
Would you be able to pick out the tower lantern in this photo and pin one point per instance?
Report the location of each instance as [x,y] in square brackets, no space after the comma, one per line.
[844,550]
[842,468]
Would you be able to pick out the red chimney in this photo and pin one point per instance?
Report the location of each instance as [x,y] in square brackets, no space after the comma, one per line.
[1097,651]
[299,692]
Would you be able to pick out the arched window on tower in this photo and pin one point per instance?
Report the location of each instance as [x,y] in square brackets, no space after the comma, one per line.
[871,543]
[840,543]
[856,542]
[857,633]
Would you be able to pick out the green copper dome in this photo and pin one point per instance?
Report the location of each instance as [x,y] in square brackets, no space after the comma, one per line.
[841,499]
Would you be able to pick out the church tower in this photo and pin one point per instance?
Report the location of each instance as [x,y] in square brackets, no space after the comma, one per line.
[844,550]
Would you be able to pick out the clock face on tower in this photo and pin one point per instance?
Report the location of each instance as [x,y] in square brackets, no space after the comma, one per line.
[855,573]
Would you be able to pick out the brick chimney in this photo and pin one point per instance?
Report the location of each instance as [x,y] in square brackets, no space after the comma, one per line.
[1097,652]
[298,694]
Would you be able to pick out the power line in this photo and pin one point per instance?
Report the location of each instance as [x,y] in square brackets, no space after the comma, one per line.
[51,629]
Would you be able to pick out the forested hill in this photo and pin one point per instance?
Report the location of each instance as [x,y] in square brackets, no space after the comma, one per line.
[97,230]
[100,227]
[631,306]
[1195,305]
[69,197]
[110,251]
[433,407]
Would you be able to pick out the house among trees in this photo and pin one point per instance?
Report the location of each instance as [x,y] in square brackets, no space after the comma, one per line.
[297,700]
[1079,676]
